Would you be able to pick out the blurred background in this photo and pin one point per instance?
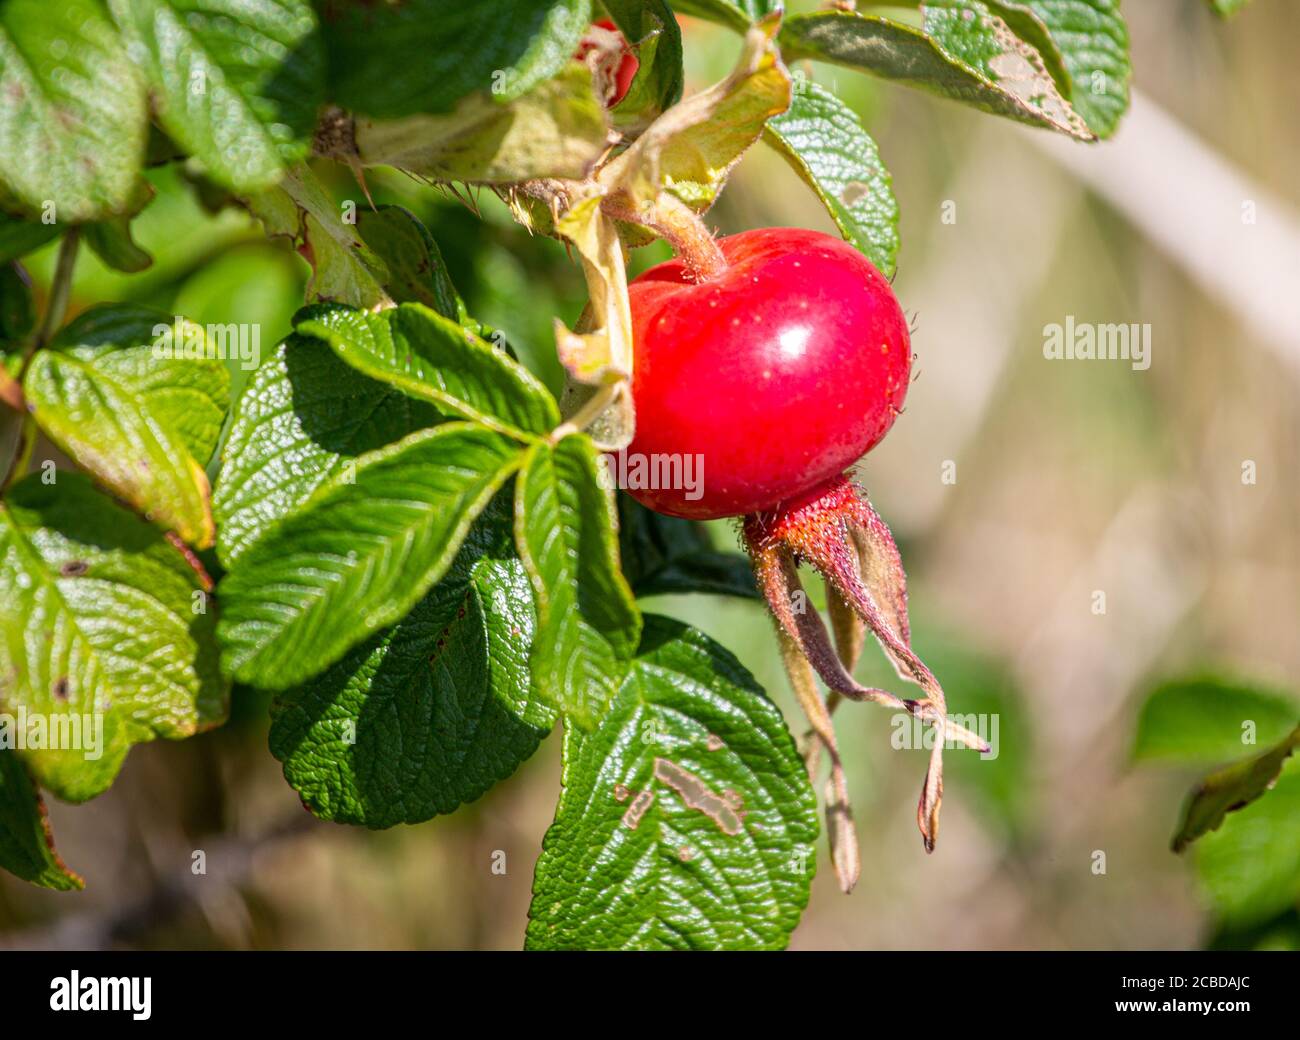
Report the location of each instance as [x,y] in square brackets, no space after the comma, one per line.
[1018,488]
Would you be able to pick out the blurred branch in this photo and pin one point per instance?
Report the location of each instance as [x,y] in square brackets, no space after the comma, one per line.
[1191,203]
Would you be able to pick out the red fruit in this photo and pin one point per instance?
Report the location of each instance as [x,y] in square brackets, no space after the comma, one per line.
[778,364]
[779,373]
[616,65]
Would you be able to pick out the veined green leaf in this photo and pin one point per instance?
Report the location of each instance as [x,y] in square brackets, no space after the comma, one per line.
[344,268]
[428,714]
[395,60]
[981,61]
[74,128]
[26,843]
[305,417]
[557,129]
[434,359]
[102,623]
[1083,44]
[686,820]
[136,399]
[359,554]
[587,620]
[824,141]
[236,85]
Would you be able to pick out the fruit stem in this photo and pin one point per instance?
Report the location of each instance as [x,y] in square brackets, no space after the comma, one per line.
[679,225]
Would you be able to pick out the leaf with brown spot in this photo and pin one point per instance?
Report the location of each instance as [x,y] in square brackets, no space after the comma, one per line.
[117,641]
[614,875]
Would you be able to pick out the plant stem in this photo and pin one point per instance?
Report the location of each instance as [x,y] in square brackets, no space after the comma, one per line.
[60,289]
[12,426]
[679,225]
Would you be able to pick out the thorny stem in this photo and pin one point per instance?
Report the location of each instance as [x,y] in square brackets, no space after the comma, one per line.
[678,224]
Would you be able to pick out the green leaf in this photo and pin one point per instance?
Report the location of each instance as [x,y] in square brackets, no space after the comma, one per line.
[19,237]
[344,268]
[1250,867]
[656,39]
[416,271]
[587,620]
[434,359]
[1225,8]
[111,239]
[1207,720]
[981,62]
[1281,932]
[1231,789]
[17,316]
[663,555]
[395,60]
[1084,45]
[359,554]
[26,843]
[137,399]
[558,129]
[112,242]
[734,14]
[305,417]
[236,85]
[824,141]
[75,121]
[100,617]
[428,714]
[686,819]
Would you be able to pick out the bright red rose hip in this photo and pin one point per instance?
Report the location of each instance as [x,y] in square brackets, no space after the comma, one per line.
[780,372]
[616,64]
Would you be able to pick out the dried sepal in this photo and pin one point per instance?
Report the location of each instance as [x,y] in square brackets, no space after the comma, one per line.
[837,532]
[845,857]
[927,807]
